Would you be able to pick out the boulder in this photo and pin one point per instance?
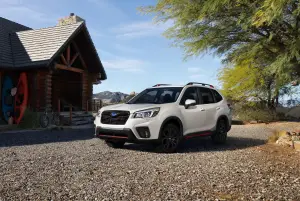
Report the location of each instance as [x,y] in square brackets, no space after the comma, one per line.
[297,145]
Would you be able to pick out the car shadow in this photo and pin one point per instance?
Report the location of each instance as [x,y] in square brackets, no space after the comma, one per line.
[41,137]
[204,144]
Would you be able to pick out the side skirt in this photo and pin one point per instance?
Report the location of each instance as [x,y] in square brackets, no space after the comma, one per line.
[198,134]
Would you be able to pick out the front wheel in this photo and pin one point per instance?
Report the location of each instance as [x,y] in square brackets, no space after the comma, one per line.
[169,138]
[115,144]
[220,136]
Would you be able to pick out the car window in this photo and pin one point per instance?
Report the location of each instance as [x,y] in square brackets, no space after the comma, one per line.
[157,96]
[206,96]
[147,97]
[218,96]
[190,93]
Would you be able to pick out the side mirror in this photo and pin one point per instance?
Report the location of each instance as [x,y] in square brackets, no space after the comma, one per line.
[189,102]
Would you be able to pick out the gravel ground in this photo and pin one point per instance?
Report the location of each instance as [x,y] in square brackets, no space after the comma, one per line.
[75,166]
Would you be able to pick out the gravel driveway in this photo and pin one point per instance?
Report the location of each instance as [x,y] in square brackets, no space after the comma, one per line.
[75,166]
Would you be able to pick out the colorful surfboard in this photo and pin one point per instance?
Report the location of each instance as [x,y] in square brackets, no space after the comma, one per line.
[21,98]
[7,99]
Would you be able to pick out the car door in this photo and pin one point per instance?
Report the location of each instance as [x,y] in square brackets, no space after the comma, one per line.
[207,103]
[193,117]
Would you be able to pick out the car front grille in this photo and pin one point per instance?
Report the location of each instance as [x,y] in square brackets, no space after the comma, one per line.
[114,117]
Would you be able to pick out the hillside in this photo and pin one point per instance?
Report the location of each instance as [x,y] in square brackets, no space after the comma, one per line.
[110,97]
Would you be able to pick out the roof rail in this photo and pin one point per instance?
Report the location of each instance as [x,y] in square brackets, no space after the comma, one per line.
[157,85]
[203,84]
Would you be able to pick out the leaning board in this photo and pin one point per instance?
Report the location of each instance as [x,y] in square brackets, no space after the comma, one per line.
[7,99]
[21,98]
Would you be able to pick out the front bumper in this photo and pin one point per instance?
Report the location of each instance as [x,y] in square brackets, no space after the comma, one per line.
[133,125]
[124,134]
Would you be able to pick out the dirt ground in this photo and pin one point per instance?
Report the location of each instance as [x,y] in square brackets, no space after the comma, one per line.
[73,165]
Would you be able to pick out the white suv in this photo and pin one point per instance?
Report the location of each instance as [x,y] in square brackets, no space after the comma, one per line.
[165,115]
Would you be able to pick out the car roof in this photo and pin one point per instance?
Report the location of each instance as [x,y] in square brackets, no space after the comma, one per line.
[182,86]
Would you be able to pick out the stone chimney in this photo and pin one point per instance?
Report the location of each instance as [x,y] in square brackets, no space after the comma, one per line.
[71,19]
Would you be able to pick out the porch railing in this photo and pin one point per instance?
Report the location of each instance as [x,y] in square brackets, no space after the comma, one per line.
[94,105]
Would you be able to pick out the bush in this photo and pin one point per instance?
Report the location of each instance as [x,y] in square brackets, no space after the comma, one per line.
[276,135]
[30,120]
[254,112]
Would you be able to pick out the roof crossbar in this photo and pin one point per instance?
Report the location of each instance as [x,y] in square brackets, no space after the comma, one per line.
[203,84]
[157,85]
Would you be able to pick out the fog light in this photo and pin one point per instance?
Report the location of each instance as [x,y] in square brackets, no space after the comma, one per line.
[144,132]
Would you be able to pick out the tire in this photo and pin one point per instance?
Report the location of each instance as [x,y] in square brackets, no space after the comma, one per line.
[170,138]
[44,121]
[220,136]
[115,144]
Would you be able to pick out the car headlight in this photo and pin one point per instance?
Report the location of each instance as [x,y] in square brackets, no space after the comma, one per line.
[146,113]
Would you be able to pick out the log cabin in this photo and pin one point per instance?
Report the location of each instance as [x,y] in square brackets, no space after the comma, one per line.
[61,63]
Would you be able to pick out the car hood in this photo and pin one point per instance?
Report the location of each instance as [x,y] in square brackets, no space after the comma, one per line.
[130,107]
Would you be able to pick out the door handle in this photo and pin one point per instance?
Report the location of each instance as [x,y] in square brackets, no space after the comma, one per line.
[218,108]
[202,109]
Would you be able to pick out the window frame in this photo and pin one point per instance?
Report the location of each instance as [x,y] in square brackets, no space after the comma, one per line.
[197,94]
[215,96]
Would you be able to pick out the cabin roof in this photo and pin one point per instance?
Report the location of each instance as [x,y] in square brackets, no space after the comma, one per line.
[24,47]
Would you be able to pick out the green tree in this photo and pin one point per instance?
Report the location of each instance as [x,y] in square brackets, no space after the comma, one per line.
[245,82]
[265,33]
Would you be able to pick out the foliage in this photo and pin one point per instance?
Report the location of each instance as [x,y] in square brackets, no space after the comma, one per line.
[30,120]
[263,34]
[254,111]
[276,135]
[241,82]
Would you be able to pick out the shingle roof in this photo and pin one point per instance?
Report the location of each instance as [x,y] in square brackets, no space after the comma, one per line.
[22,47]
[37,46]
[7,27]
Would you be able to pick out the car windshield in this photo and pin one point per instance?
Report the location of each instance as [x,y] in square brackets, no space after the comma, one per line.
[157,96]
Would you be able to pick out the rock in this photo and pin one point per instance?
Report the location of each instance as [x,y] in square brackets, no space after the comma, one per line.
[297,145]
[253,122]
[296,138]
[284,140]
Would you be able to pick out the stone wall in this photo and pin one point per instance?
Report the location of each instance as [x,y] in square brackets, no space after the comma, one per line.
[71,19]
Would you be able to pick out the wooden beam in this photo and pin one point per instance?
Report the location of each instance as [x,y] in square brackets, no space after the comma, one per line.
[74,58]
[63,67]
[68,54]
[63,59]
[80,56]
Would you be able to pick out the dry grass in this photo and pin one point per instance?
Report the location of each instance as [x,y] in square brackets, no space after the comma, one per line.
[275,136]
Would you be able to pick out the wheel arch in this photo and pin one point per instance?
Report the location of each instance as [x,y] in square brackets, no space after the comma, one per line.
[171,119]
[225,118]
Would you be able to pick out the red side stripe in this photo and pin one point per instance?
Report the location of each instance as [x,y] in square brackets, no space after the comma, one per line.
[198,135]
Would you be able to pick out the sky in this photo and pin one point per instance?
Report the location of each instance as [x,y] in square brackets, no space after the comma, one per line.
[131,47]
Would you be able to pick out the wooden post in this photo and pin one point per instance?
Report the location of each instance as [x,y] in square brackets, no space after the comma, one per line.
[58,107]
[70,114]
[0,90]
[87,106]
[94,105]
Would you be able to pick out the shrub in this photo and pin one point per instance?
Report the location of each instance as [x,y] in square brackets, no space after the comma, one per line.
[254,111]
[275,136]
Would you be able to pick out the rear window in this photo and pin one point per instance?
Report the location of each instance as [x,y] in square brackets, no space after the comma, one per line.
[218,97]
